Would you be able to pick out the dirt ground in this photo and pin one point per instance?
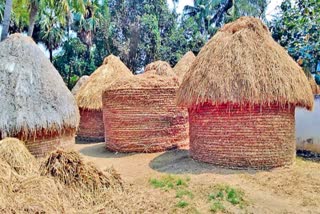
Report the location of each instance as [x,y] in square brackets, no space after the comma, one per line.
[295,189]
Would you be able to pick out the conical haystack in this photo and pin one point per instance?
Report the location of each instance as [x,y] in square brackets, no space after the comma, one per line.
[140,114]
[160,68]
[89,98]
[79,84]
[241,93]
[36,106]
[184,64]
[314,86]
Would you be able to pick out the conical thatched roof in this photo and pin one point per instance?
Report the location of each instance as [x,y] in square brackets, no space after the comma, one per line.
[243,64]
[146,80]
[184,64]
[160,68]
[90,94]
[80,83]
[33,95]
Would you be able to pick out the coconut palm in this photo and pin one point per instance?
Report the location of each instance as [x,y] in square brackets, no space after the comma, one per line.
[6,19]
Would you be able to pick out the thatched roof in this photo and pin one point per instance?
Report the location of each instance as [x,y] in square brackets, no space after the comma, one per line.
[160,68]
[33,95]
[243,64]
[90,94]
[80,83]
[314,86]
[148,80]
[184,64]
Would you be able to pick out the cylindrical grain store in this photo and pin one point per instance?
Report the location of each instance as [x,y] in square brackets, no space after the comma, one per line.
[140,114]
[241,93]
[89,99]
[36,105]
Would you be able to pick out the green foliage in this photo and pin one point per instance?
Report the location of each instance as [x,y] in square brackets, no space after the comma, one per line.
[181,193]
[168,182]
[297,28]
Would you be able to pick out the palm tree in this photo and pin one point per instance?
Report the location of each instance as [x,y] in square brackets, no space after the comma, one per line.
[6,19]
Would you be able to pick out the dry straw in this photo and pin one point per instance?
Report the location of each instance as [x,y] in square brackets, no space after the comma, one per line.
[70,169]
[33,95]
[89,95]
[79,84]
[14,152]
[184,64]
[242,64]
[160,68]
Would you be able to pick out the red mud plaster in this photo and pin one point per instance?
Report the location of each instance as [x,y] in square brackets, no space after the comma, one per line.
[91,128]
[144,120]
[243,138]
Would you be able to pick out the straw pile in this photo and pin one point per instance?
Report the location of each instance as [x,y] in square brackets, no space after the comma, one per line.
[79,84]
[184,64]
[89,98]
[36,106]
[14,152]
[241,93]
[70,169]
[140,114]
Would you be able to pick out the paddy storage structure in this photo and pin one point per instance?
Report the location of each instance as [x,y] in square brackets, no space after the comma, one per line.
[79,84]
[141,115]
[241,94]
[184,64]
[89,98]
[36,106]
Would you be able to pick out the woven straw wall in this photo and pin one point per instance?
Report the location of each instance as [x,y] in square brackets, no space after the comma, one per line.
[256,137]
[91,128]
[144,120]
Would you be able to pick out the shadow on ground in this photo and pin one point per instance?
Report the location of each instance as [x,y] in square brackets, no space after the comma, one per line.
[98,150]
[179,162]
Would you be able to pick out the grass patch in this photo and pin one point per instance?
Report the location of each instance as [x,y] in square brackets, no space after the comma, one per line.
[217,206]
[180,193]
[224,194]
[182,204]
[169,182]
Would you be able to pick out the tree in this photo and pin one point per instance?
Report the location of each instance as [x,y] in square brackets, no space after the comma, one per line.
[297,28]
[6,19]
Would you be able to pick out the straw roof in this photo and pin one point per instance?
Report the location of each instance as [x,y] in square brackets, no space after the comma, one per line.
[146,80]
[89,95]
[80,83]
[243,64]
[184,64]
[314,86]
[33,95]
[160,68]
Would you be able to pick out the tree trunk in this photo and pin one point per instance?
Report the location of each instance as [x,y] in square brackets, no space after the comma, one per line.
[51,55]
[32,17]
[6,19]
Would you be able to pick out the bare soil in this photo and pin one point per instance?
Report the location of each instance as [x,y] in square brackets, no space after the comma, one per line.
[295,189]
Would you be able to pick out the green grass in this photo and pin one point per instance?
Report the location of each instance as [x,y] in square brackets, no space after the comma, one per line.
[182,204]
[168,182]
[217,206]
[224,194]
[180,193]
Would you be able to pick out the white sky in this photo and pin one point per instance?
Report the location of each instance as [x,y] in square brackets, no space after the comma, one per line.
[271,10]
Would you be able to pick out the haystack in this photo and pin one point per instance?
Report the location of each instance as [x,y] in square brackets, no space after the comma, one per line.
[184,64]
[314,86]
[241,93]
[140,114]
[89,98]
[14,152]
[160,68]
[70,169]
[79,84]
[36,106]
